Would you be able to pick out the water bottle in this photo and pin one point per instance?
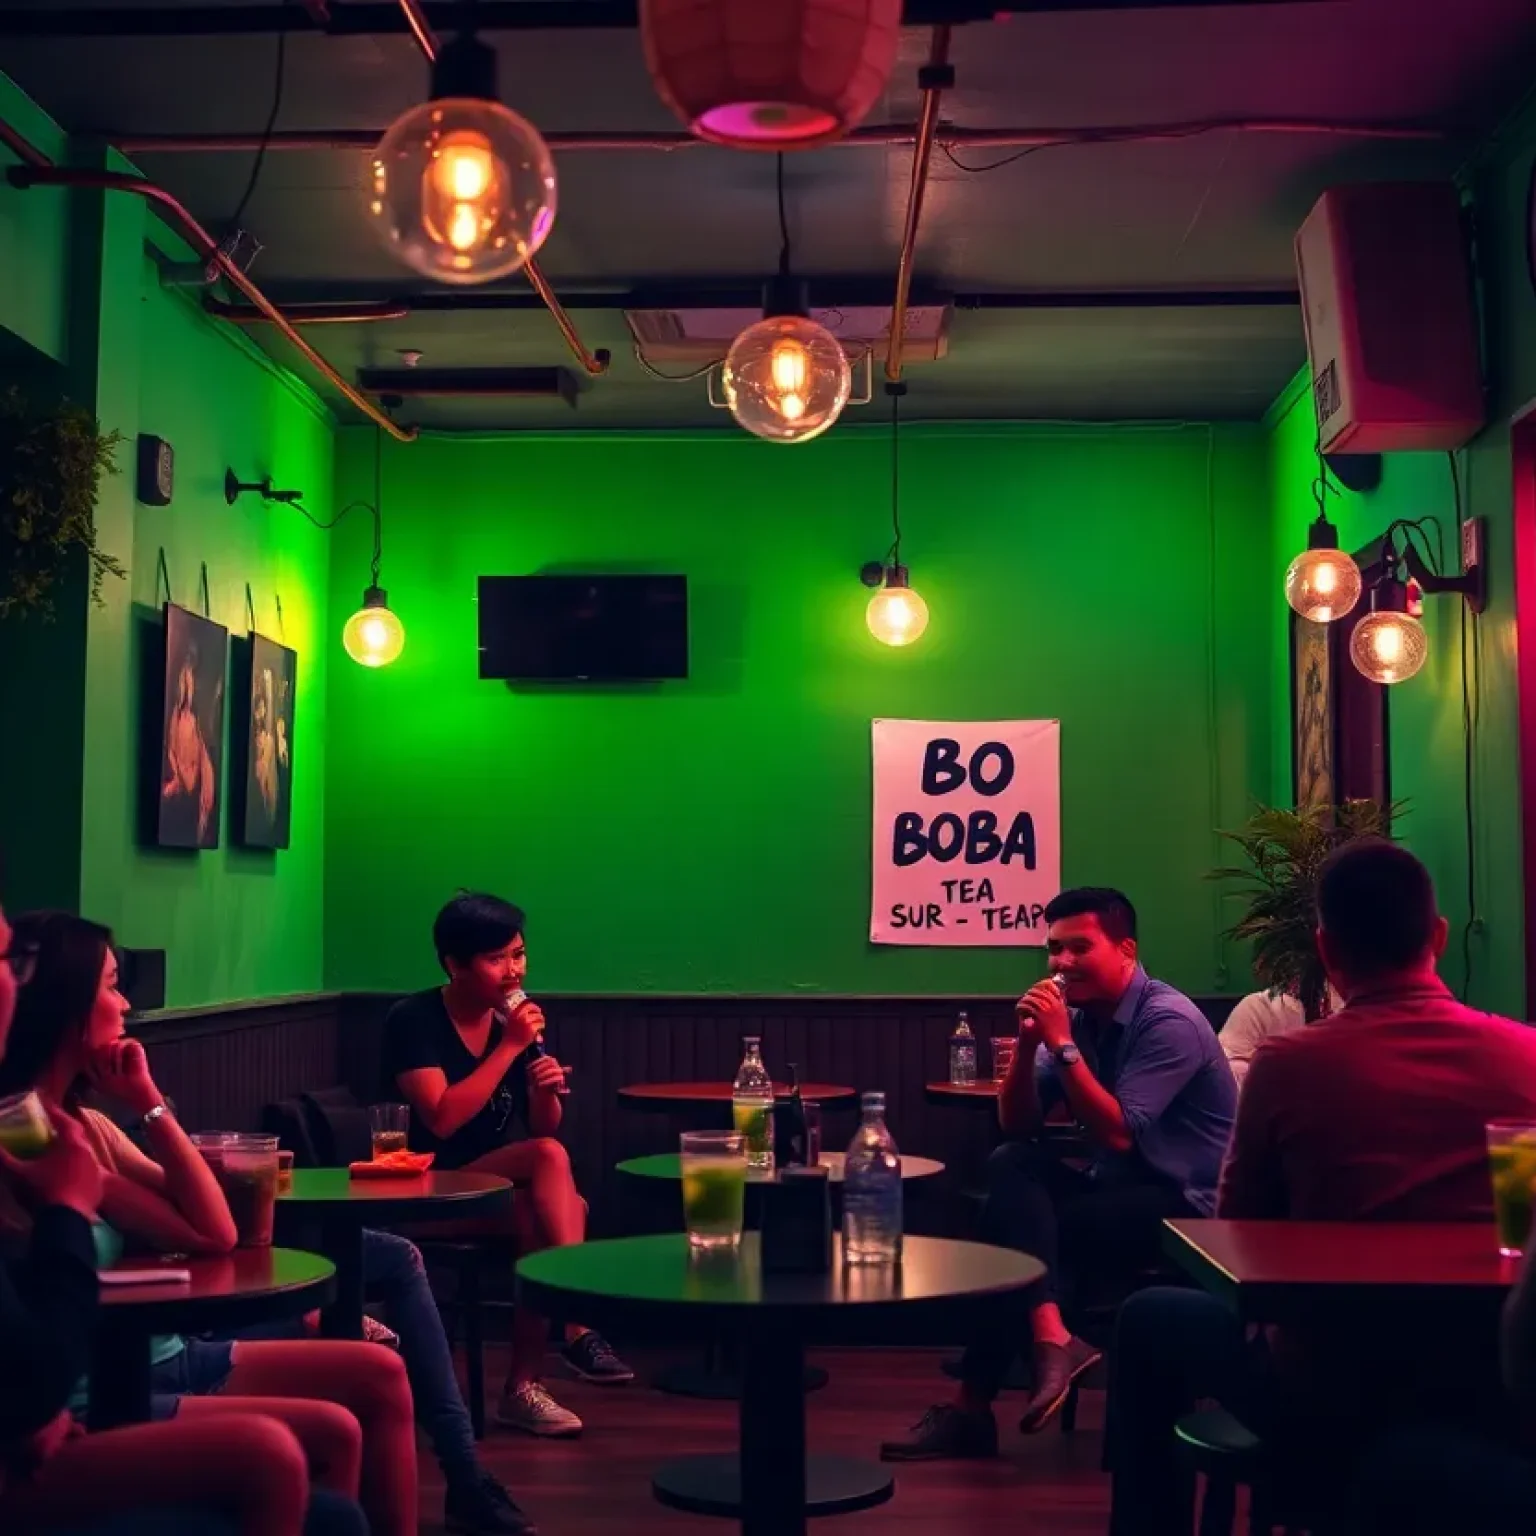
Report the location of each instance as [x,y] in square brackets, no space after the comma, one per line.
[752,1105]
[962,1054]
[872,1190]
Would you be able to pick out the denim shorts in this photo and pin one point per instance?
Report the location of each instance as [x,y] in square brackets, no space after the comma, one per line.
[200,1370]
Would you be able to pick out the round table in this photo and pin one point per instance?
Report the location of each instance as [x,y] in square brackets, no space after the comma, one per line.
[658,1284]
[347,1205]
[237,1290]
[670,1096]
[982,1093]
[669,1166]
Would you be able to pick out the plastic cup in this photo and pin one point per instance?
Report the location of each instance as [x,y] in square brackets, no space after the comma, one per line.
[390,1125]
[714,1188]
[25,1129]
[247,1174]
[211,1145]
[284,1171]
[1004,1049]
[1512,1162]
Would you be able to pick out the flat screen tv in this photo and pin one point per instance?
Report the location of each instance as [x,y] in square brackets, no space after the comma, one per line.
[583,628]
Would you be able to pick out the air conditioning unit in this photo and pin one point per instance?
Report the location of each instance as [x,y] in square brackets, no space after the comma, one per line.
[1386,298]
[703,335]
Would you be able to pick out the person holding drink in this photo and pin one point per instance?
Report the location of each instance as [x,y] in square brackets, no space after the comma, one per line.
[349,1404]
[470,1060]
[1377,1113]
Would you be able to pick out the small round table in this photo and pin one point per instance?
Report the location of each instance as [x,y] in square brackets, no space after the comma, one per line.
[237,1290]
[347,1205]
[672,1096]
[982,1094]
[656,1283]
[669,1166]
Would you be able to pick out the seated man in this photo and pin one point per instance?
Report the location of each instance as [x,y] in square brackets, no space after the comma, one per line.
[469,1063]
[1138,1066]
[1375,1114]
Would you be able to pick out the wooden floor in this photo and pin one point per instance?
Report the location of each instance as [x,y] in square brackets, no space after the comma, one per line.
[1048,1483]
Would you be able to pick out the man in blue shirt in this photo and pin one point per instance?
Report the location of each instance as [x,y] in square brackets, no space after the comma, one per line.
[1138,1067]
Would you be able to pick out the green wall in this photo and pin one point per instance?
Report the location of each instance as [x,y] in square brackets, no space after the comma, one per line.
[714,834]
[1426,711]
[236,924]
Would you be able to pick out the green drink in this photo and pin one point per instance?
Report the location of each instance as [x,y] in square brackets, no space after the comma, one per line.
[1512,1162]
[25,1130]
[714,1171]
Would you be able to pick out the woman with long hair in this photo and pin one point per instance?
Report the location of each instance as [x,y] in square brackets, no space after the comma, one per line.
[348,1403]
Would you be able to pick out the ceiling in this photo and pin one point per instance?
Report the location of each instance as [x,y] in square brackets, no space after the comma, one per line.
[1211,211]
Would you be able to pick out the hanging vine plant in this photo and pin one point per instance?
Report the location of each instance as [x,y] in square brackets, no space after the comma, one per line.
[52,459]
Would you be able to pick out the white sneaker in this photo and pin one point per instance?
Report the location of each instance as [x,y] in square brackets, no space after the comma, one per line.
[531,1409]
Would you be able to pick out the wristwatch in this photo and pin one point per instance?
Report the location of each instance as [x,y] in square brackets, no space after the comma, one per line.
[1068,1055]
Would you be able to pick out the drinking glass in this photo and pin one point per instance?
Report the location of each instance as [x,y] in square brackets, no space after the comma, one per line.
[284,1172]
[247,1173]
[211,1145]
[812,1132]
[25,1129]
[390,1125]
[1512,1161]
[1004,1049]
[714,1187]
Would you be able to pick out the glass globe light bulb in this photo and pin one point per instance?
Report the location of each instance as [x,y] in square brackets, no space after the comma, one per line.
[463,190]
[786,378]
[1388,646]
[896,615]
[1322,584]
[373,636]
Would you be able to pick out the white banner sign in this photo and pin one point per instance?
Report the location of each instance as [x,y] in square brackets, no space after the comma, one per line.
[967,840]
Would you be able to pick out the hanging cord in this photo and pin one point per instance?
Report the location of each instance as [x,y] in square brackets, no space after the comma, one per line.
[1471,693]
[266,133]
[375,507]
[1322,486]
[895,556]
[783,222]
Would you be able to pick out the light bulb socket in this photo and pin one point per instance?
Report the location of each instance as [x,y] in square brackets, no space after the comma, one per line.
[1322,534]
[896,576]
[1389,595]
[785,295]
[465,67]
[375,597]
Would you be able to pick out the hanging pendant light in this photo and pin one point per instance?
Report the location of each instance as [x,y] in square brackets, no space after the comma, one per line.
[1322,583]
[463,187]
[1389,644]
[770,74]
[374,635]
[896,614]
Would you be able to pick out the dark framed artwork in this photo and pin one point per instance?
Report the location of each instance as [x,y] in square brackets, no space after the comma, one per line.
[191,731]
[1339,718]
[263,778]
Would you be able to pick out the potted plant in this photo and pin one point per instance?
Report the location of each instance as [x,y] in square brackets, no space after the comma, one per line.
[1283,850]
[51,463]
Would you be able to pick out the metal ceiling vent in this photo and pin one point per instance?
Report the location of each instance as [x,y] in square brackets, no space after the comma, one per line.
[673,336]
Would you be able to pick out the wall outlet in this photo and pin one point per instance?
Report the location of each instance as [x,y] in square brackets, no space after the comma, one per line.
[1471,542]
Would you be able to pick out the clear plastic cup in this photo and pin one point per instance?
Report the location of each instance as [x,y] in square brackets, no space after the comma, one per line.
[25,1129]
[284,1171]
[211,1145]
[714,1188]
[1512,1162]
[1004,1049]
[390,1126]
[248,1176]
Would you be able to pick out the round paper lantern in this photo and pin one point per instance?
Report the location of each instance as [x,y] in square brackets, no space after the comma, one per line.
[770,74]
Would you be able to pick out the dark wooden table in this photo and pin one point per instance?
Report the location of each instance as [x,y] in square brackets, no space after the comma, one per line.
[674,1096]
[655,1284]
[982,1093]
[1280,1271]
[347,1205]
[239,1290]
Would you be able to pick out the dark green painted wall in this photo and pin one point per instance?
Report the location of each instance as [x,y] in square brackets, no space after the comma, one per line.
[714,835]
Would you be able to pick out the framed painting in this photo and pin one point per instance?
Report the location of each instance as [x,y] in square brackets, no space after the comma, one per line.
[263,783]
[1312,719]
[191,731]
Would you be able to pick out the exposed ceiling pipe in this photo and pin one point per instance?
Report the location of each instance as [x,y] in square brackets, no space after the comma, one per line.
[41,172]
[880,137]
[592,363]
[933,79]
[357,18]
[837,295]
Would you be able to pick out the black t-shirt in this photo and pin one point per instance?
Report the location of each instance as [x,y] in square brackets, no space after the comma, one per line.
[418,1034]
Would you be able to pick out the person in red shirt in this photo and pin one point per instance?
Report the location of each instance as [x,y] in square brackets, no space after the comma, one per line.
[1378,1112]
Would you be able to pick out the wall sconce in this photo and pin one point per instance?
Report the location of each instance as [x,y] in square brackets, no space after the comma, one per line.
[1389,644]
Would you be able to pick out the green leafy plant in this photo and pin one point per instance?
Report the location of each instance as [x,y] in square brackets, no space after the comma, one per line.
[51,463]
[1284,849]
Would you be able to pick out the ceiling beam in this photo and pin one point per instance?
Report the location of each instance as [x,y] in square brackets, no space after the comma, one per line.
[376,18]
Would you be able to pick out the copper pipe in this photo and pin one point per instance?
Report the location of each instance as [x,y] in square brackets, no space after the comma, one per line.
[309,314]
[593,363]
[208,250]
[25,151]
[421,28]
[861,138]
[922,156]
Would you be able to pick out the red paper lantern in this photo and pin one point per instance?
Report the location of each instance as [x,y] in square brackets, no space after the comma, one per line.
[770,74]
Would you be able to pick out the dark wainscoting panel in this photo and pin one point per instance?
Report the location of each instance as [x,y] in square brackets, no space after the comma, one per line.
[221,1066]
